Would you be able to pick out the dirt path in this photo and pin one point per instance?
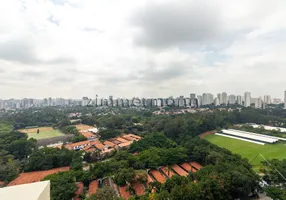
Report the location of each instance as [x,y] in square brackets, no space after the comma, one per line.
[207,133]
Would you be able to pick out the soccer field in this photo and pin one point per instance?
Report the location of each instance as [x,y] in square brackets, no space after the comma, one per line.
[45,132]
[250,150]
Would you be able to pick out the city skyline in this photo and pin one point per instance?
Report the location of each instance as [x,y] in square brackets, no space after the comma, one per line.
[193,101]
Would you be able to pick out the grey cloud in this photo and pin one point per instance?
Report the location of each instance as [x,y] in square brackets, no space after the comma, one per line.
[17,50]
[152,73]
[89,29]
[169,24]
[32,73]
[23,51]
[60,60]
[172,70]
[62,80]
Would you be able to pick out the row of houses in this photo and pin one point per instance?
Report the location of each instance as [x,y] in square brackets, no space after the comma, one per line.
[103,149]
[153,175]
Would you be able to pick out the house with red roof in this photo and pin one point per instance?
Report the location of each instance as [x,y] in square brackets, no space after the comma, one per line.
[179,170]
[79,191]
[92,188]
[196,165]
[157,175]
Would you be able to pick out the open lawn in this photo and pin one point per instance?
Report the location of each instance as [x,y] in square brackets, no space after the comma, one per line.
[45,132]
[250,150]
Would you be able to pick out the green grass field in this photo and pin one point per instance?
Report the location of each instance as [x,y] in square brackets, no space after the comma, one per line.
[250,150]
[45,132]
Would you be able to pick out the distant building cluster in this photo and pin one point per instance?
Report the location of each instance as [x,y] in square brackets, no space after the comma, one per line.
[224,99]
[194,101]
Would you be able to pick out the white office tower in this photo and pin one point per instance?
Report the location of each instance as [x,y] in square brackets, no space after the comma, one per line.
[207,99]
[84,101]
[200,99]
[216,102]
[257,102]
[193,100]
[210,98]
[247,99]
[224,98]
[267,99]
[231,99]
[204,100]
[239,100]
[219,96]
[285,100]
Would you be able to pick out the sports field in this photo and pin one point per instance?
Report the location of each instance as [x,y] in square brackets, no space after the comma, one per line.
[250,150]
[45,132]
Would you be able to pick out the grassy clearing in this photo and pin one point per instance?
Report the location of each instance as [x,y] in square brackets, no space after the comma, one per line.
[45,132]
[250,150]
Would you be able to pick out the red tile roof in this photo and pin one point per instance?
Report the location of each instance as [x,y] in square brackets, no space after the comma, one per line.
[134,136]
[92,188]
[124,193]
[70,146]
[125,144]
[179,170]
[120,139]
[30,177]
[128,138]
[188,167]
[196,165]
[114,141]
[109,144]
[89,148]
[87,134]
[138,187]
[150,179]
[107,150]
[79,190]
[98,145]
[158,176]
[165,171]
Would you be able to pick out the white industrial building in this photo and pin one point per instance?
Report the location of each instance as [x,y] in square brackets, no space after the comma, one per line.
[249,136]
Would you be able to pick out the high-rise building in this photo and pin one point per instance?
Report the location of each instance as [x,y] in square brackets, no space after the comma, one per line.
[207,99]
[193,100]
[247,99]
[224,98]
[199,100]
[239,100]
[231,99]
[193,96]
[219,96]
[257,102]
[285,100]
[267,99]
[216,102]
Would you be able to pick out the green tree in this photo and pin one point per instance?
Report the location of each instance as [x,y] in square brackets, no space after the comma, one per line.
[124,175]
[106,193]
[63,186]
[76,163]
[275,193]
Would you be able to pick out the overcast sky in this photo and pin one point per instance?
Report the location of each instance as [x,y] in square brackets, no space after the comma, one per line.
[126,48]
